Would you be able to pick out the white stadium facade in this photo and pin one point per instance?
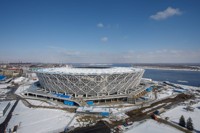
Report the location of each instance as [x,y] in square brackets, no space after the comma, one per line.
[88,82]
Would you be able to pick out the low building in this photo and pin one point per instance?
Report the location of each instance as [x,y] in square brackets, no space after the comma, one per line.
[12,72]
[2,77]
[94,110]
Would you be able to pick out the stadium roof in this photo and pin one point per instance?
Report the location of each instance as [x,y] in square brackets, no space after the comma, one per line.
[88,71]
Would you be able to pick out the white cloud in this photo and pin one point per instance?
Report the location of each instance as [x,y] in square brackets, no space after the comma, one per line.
[104,39]
[169,12]
[100,25]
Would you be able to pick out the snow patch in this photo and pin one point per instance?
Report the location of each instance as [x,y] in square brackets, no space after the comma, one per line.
[151,126]
[32,120]
[175,113]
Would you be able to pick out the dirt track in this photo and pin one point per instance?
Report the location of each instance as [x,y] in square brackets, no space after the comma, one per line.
[137,115]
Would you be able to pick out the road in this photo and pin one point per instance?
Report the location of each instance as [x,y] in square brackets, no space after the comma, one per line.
[5,123]
[66,128]
[173,125]
[9,96]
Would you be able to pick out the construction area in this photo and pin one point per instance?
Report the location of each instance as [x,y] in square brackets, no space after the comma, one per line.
[117,114]
[139,114]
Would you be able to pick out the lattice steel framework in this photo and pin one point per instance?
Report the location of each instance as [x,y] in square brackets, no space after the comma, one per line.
[91,85]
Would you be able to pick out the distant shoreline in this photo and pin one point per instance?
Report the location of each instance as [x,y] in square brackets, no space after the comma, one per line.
[166,68]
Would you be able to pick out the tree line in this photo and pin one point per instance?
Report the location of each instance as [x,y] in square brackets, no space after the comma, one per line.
[188,125]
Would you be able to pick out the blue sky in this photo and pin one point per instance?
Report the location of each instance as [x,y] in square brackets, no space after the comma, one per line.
[100,31]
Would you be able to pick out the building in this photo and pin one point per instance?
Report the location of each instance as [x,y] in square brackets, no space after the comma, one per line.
[2,77]
[4,107]
[94,110]
[90,82]
[12,72]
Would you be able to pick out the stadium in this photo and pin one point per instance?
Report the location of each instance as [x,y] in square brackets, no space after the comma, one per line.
[90,82]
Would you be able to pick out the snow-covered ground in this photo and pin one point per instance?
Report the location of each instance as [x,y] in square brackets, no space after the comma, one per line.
[164,93]
[151,126]
[76,124]
[175,114]
[22,88]
[2,86]
[20,80]
[32,120]
[4,91]
[39,103]
[47,103]
[2,119]
[29,84]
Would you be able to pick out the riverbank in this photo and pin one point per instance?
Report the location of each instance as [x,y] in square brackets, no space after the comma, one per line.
[190,78]
[169,68]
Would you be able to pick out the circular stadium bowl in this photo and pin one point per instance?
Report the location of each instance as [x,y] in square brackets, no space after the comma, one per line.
[90,81]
